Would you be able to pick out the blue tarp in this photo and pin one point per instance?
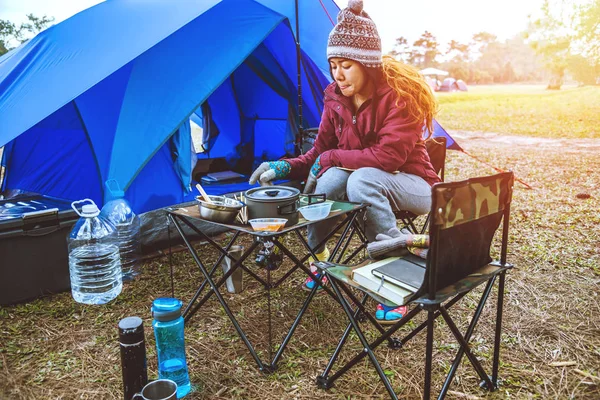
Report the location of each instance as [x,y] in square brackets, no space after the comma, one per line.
[100,95]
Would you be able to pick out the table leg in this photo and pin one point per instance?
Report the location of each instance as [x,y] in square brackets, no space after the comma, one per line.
[222,280]
[220,298]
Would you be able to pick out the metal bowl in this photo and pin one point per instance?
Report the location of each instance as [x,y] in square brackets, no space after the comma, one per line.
[223,209]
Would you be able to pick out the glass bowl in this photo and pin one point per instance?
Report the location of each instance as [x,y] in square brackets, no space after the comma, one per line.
[268,224]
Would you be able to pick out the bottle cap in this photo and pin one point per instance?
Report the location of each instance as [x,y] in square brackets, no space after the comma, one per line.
[131,330]
[90,210]
[166,309]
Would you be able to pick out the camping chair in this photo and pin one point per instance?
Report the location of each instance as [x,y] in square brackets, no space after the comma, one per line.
[464,218]
[436,148]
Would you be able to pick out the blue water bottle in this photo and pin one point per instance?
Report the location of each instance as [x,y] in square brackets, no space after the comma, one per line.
[170,346]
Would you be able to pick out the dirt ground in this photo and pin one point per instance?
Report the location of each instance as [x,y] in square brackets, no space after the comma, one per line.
[54,348]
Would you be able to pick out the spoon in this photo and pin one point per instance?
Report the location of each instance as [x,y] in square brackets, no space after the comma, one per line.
[203,193]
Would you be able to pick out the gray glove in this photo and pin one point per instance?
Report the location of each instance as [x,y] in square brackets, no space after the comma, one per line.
[311,181]
[268,171]
[391,244]
[311,184]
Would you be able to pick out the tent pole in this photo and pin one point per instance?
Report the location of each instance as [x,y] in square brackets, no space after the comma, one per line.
[299,68]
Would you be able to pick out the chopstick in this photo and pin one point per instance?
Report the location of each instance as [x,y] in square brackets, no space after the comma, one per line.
[244,210]
[203,193]
[242,216]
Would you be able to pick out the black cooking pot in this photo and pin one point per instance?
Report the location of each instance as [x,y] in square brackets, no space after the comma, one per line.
[277,202]
[273,202]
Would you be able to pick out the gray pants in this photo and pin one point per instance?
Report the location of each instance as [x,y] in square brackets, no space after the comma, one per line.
[384,191]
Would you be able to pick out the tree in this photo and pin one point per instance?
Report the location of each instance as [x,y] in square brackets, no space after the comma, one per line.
[582,70]
[508,73]
[401,50]
[481,41]
[458,52]
[551,38]
[8,32]
[526,64]
[587,26]
[12,35]
[425,51]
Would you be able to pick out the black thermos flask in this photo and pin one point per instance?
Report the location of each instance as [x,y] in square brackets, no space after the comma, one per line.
[133,355]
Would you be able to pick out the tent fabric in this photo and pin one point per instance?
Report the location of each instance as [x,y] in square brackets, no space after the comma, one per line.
[316,19]
[438,131]
[81,104]
[120,105]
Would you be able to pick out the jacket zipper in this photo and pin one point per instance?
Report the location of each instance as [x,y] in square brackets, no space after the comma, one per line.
[354,118]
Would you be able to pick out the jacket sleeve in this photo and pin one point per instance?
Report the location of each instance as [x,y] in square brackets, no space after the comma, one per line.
[326,140]
[395,141]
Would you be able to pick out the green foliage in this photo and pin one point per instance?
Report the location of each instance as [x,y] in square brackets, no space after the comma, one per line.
[401,50]
[458,52]
[12,35]
[582,70]
[588,31]
[425,51]
[484,60]
[566,35]
[459,70]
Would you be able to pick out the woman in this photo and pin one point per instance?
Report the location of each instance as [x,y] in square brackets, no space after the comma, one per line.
[369,148]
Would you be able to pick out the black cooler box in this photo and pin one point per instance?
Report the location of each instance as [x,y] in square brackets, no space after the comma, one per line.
[34,259]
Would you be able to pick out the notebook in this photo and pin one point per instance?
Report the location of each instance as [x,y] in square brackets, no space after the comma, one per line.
[222,176]
[407,272]
[393,293]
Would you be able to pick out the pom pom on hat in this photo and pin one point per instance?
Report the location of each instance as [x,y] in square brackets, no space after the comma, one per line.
[355,36]
[356,6]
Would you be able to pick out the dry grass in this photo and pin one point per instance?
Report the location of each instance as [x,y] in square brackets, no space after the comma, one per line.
[54,348]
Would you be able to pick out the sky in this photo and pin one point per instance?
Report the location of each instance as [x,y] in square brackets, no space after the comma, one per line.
[448,19]
[445,19]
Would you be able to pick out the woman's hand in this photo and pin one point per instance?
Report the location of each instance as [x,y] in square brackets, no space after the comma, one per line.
[268,171]
[311,181]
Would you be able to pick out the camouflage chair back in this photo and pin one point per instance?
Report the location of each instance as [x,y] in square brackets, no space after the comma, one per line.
[465,216]
[436,149]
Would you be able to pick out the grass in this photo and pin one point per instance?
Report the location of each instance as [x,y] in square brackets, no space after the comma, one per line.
[54,348]
[523,110]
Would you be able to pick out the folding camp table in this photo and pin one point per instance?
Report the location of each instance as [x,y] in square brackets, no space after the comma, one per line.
[350,215]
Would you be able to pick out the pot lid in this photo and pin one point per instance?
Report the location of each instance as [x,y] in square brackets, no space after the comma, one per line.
[272,193]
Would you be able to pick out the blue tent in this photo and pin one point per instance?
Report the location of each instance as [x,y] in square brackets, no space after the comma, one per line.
[108,93]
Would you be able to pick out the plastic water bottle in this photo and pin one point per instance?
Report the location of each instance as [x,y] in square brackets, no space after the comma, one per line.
[170,346]
[118,211]
[94,262]
[120,214]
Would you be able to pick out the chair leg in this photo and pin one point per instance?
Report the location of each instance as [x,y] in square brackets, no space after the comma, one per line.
[363,340]
[468,334]
[464,345]
[425,225]
[410,224]
[499,310]
[323,377]
[428,355]
[386,336]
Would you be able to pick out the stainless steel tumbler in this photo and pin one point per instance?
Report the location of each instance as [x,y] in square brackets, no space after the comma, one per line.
[235,283]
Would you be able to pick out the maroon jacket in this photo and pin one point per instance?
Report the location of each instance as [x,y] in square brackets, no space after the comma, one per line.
[343,140]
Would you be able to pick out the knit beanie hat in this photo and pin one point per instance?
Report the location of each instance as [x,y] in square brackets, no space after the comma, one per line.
[355,36]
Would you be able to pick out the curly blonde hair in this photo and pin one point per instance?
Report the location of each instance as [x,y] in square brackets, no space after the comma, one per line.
[410,86]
